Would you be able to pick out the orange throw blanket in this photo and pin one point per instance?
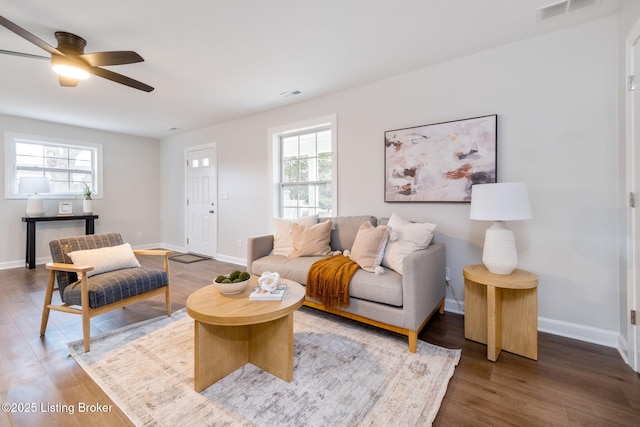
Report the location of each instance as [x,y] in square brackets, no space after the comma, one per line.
[328,280]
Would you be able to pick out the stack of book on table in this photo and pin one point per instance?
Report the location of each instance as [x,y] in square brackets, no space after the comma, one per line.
[259,294]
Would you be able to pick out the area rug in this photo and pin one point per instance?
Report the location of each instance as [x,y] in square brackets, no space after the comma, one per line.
[345,374]
[188,258]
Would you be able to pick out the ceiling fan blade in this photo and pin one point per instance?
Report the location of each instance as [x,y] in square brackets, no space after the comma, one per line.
[119,78]
[29,37]
[67,81]
[121,57]
[26,55]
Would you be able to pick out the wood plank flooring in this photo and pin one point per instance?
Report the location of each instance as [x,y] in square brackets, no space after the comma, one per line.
[573,383]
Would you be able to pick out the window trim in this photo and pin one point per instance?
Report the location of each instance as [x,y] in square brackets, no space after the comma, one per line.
[274,135]
[10,168]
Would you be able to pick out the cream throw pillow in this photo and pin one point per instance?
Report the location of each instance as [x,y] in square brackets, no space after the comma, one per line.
[368,247]
[311,241]
[282,240]
[106,259]
[406,237]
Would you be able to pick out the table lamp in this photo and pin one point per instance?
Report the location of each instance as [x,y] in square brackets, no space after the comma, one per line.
[499,202]
[34,185]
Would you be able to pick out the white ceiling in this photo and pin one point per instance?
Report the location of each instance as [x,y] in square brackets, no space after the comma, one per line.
[215,60]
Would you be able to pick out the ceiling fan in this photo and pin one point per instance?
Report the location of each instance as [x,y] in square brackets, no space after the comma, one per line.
[72,64]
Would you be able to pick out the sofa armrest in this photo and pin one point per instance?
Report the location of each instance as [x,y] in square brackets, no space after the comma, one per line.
[258,247]
[423,284]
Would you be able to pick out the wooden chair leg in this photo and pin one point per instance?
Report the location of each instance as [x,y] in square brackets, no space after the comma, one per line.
[47,301]
[86,329]
[168,298]
[86,316]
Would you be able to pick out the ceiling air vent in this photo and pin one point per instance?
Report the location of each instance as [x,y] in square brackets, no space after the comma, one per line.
[562,7]
[290,93]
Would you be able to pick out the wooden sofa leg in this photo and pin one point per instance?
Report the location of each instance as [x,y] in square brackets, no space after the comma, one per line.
[47,301]
[413,341]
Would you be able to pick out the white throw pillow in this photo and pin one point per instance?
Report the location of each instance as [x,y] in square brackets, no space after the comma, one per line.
[106,259]
[406,237]
[369,245]
[282,240]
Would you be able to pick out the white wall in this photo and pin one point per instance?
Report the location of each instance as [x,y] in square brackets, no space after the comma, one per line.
[130,203]
[557,103]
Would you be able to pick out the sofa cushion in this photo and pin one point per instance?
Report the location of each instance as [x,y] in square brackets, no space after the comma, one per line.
[368,247]
[105,259]
[289,268]
[345,229]
[117,285]
[311,241]
[406,237]
[384,289]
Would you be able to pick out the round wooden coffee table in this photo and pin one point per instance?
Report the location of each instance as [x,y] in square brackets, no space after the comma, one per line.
[231,330]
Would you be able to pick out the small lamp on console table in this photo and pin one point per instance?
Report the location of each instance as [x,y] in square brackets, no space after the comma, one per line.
[499,202]
[34,185]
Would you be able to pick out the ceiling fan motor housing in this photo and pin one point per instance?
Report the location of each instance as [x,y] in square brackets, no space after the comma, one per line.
[70,43]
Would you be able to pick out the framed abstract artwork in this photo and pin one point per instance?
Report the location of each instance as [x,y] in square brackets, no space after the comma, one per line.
[440,162]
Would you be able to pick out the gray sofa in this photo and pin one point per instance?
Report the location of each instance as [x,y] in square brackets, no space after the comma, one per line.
[399,303]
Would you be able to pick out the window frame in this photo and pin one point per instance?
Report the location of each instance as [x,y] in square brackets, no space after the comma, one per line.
[10,164]
[328,122]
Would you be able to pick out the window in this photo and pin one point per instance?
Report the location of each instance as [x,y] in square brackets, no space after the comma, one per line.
[304,163]
[67,164]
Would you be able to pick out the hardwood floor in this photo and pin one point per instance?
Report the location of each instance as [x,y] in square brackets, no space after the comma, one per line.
[572,383]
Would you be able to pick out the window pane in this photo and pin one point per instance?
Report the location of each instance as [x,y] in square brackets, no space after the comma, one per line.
[324,197]
[289,196]
[304,170]
[290,171]
[290,213]
[29,161]
[324,167]
[308,145]
[29,149]
[290,147]
[324,142]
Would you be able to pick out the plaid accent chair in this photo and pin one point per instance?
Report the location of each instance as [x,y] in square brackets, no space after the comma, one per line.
[88,294]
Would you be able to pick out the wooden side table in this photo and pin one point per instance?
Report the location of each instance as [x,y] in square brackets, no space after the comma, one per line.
[501,311]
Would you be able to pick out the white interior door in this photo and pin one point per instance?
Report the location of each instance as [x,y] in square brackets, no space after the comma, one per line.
[202,206]
[633,183]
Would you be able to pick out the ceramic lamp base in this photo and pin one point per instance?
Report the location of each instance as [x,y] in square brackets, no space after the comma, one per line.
[35,206]
[499,254]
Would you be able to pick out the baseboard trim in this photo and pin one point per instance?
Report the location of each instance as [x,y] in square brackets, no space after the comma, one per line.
[564,329]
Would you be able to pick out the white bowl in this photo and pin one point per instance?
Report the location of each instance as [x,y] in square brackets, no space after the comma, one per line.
[232,288]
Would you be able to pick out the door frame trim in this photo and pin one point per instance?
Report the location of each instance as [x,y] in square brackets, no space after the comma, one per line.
[188,150]
[632,267]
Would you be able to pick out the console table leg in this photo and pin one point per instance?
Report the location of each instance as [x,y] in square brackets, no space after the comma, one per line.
[31,245]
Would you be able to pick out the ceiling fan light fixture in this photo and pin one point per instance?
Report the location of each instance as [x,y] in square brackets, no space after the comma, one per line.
[70,71]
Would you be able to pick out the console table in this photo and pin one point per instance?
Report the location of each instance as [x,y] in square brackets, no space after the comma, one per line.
[31,231]
[501,311]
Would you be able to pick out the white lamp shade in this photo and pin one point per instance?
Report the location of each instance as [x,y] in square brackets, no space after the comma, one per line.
[504,201]
[33,185]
